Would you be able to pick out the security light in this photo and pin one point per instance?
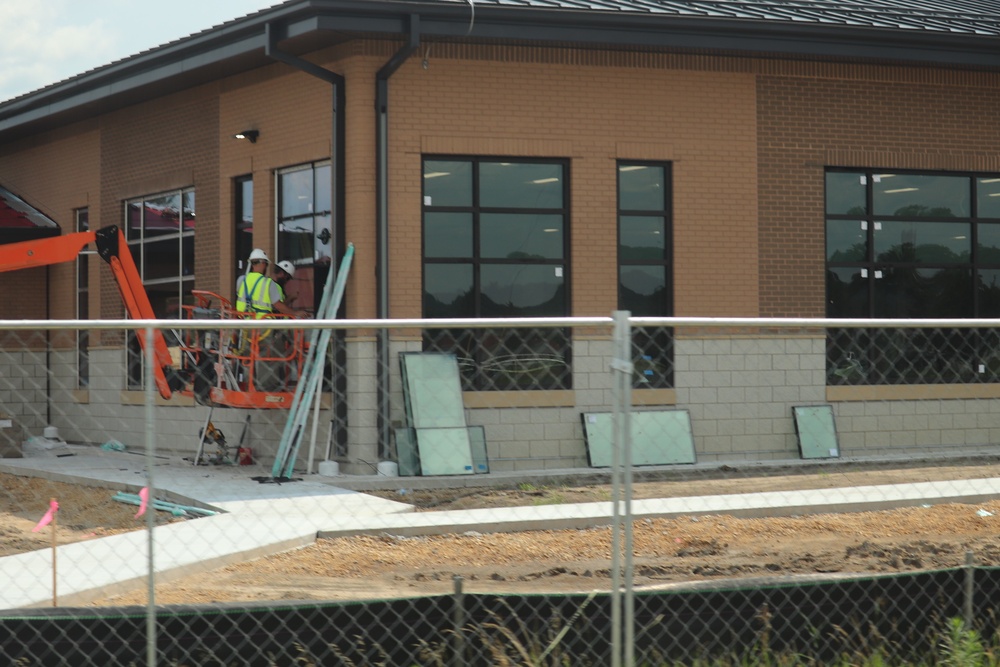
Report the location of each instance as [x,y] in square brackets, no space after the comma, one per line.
[248,134]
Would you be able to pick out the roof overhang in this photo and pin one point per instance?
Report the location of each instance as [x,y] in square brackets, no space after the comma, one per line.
[301,26]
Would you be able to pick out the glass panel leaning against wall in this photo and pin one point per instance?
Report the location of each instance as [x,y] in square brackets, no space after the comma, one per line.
[495,246]
[905,245]
[645,271]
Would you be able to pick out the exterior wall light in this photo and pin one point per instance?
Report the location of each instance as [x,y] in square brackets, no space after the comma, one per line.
[248,134]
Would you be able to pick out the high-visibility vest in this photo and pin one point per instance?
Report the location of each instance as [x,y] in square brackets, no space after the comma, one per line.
[257,296]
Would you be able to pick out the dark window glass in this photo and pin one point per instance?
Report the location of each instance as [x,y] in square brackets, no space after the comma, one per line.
[83,304]
[989,293]
[988,197]
[641,237]
[161,259]
[846,241]
[641,187]
[645,266]
[915,195]
[243,223]
[920,242]
[447,183]
[845,193]
[521,236]
[914,293]
[847,293]
[643,289]
[520,290]
[502,254]
[988,244]
[521,185]
[448,234]
[448,291]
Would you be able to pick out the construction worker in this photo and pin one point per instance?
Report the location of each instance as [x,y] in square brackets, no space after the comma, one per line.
[258,294]
[283,272]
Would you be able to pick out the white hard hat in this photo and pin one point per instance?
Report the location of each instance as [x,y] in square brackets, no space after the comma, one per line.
[258,254]
[287,267]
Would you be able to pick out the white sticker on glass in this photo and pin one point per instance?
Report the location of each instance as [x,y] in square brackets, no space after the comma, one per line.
[427,200]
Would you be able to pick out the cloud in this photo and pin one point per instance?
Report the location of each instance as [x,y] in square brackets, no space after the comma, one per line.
[45,44]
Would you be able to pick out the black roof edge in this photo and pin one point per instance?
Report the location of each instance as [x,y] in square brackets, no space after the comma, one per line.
[239,45]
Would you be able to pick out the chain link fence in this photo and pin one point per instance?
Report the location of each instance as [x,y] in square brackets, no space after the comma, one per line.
[232,466]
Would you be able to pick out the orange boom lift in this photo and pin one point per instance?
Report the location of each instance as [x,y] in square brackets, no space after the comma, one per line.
[218,367]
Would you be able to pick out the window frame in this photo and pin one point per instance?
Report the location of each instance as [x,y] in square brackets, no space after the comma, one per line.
[241,250]
[652,347]
[184,279]
[890,356]
[482,367]
[81,222]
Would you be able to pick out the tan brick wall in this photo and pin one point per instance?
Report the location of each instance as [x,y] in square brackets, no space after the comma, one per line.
[748,140]
[57,174]
[292,112]
[165,144]
[703,122]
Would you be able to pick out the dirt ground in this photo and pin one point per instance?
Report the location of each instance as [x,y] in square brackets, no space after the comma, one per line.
[666,550]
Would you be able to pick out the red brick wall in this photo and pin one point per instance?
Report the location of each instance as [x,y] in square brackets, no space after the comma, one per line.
[884,118]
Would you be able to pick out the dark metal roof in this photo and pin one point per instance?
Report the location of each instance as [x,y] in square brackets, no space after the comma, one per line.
[973,17]
[950,33]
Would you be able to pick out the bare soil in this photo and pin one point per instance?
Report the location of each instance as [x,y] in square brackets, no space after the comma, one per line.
[667,551]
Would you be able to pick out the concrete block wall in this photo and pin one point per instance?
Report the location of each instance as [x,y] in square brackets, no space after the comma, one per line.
[739,391]
[925,428]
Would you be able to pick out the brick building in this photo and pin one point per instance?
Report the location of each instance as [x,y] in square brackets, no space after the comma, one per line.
[748,140]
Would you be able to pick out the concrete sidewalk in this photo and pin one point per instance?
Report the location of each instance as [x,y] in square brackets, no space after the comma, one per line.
[257,519]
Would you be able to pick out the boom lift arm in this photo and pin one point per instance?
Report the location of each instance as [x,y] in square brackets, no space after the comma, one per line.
[113,249]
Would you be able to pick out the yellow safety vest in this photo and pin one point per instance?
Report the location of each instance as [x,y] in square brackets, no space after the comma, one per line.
[257,296]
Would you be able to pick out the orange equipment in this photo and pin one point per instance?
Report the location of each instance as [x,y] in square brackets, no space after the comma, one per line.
[213,369]
[243,369]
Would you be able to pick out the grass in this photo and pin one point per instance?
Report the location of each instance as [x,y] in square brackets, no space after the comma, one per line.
[508,641]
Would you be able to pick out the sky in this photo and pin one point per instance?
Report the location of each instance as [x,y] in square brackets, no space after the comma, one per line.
[46,41]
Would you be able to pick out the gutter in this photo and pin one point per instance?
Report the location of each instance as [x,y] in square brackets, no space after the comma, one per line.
[382,225]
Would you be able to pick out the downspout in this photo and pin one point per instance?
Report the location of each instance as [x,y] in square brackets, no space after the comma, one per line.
[338,243]
[382,228]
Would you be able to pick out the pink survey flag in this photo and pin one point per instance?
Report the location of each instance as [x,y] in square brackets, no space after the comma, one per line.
[47,519]
[144,498]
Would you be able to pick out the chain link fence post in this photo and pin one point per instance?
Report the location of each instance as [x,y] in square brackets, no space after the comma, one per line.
[622,369]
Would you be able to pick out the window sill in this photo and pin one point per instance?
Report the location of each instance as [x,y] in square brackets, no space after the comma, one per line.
[654,397]
[912,392]
[555,398]
[129,397]
[81,396]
